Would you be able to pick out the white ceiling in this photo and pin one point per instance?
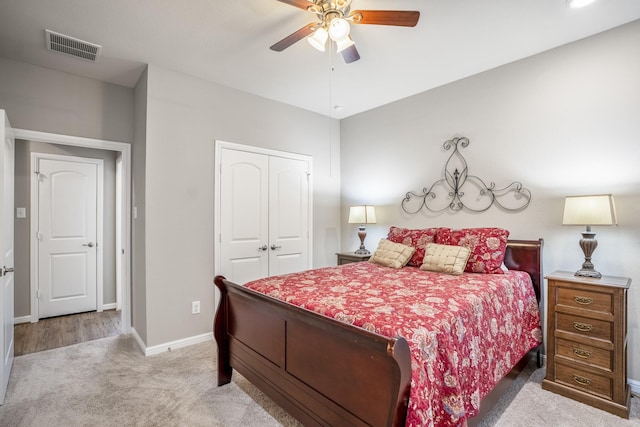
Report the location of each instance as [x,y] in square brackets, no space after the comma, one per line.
[227,41]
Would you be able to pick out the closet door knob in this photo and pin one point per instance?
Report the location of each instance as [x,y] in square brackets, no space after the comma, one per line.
[274,247]
[263,248]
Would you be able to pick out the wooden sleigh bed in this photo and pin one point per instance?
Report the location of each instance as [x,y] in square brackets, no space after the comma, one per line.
[325,372]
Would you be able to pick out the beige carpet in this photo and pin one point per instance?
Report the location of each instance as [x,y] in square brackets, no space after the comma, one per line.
[109,382]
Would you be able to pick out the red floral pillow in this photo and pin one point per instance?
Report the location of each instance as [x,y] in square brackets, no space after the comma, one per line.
[487,246]
[414,238]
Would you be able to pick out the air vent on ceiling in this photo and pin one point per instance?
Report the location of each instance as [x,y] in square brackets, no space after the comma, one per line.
[73,47]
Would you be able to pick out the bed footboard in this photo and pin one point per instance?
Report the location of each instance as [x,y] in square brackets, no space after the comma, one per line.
[322,371]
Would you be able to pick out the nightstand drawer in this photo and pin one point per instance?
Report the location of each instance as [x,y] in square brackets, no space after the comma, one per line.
[584,326]
[587,381]
[595,301]
[585,353]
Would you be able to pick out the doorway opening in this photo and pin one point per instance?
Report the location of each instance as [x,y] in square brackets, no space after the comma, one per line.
[122,245]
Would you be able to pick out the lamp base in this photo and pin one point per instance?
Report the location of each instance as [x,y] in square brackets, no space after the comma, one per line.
[588,273]
[362,233]
[588,243]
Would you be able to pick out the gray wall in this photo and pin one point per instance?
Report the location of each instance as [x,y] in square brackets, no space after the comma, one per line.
[41,99]
[22,237]
[185,116]
[564,122]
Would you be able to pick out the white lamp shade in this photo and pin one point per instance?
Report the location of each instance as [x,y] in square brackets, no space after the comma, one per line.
[589,210]
[362,215]
[318,39]
[339,29]
[343,44]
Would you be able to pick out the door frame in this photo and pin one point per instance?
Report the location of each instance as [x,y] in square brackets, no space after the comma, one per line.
[219,146]
[35,242]
[123,210]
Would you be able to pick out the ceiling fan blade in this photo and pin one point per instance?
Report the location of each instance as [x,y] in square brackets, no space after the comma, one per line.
[350,54]
[302,4]
[292,38]
[402,18]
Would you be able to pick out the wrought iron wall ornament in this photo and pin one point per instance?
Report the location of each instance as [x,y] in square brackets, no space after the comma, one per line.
[447,193]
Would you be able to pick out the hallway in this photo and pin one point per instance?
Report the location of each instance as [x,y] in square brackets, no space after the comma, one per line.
[62,331]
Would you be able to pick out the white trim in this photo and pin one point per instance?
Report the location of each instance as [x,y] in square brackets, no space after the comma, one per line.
[172,345]
[635,386]
[123,220]
[110,306]
[22,319]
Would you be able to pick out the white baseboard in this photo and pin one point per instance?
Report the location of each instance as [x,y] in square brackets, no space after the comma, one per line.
[22,319]
[110,306]
[161,348]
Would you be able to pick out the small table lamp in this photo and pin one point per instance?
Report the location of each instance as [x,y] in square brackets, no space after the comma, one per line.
[588,211]
[362,215]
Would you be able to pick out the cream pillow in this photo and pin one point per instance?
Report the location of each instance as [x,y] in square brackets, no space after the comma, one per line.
[445,258]
[390,254]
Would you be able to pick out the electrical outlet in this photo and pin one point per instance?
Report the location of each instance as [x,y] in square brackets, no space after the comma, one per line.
[195,307]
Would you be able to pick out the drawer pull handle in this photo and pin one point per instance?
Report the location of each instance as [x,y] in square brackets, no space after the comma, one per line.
[582,353]
[583,300]
[581,380]
[582,327]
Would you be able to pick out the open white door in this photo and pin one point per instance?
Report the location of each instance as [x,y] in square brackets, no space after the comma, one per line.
[7,153]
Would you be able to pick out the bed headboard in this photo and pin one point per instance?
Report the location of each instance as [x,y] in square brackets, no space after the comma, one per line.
[526,255]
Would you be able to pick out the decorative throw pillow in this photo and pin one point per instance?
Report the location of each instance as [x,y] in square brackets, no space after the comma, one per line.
[487,246]
[390,254]
[445,259]
[414,238]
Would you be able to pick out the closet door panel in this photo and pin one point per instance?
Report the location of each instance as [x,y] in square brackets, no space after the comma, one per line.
[244,215]
[288,215]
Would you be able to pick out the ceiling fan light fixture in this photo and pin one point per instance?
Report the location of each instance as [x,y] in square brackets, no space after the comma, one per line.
[339,29]
[344,43]
[318,39]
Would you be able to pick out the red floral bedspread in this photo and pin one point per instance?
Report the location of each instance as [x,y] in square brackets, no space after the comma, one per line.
[465,332]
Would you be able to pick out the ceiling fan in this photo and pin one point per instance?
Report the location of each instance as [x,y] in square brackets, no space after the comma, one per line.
[335,16]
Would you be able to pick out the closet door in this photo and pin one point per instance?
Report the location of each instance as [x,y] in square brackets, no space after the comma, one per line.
[288,215]
[264,211]
[244,215]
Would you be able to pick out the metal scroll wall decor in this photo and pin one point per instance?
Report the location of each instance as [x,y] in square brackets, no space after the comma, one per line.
[476,196]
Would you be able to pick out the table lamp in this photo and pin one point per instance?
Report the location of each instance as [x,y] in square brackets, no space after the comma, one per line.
[588,211]
[362,215]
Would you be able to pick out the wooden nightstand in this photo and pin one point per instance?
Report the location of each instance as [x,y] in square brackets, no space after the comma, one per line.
[348,257]
[587,340]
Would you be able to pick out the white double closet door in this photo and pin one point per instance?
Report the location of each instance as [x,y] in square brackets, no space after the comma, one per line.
[264,213]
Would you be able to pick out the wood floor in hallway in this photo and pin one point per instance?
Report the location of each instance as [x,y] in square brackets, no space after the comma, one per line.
[61,331]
